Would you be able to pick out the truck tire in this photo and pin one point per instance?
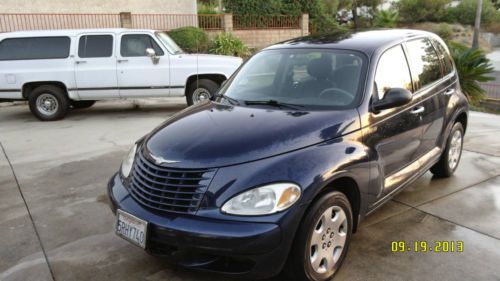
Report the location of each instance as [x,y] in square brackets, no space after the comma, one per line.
[451,155]
[201,90]
[48,103]
[79,104]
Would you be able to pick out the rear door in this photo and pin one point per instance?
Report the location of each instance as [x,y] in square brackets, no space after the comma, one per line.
[429,87]
[138,75]
[95,67]
[395,133]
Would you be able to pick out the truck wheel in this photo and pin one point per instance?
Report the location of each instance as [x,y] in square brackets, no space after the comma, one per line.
[82,104]
[322,239]
[48,103]
[451,155]
[201,90]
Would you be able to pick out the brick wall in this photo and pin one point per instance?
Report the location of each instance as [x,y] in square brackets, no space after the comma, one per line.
[261,38]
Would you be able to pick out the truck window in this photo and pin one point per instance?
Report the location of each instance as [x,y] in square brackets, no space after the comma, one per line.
[34,48]
[392,71]
[424,61]
[135,45]
[95,46]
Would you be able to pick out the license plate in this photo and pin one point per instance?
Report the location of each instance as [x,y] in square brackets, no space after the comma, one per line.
[131,228]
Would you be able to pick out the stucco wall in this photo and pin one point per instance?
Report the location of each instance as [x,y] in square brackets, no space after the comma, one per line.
[99,6]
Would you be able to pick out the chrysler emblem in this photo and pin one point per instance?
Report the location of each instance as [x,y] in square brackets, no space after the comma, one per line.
[160,160]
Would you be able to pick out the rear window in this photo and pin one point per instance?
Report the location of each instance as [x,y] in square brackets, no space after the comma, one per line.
[34,48]
[424,62]
[95,46]
[445,57]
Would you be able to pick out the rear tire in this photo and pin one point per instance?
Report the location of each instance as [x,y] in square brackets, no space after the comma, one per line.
[322,239]
[48,103]
[450,158]
[201,90]
[82,104]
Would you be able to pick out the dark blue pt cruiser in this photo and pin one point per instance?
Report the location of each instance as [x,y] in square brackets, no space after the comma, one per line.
[277,170]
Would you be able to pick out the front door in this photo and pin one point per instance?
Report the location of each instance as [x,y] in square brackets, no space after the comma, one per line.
[138,74]
[95,67]
[395,133]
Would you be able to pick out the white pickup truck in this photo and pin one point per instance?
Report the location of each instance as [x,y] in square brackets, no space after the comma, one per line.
[61,69]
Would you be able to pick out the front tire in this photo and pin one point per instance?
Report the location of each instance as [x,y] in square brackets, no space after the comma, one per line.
[201,90]
[322,239]
[48,103]
[451,155]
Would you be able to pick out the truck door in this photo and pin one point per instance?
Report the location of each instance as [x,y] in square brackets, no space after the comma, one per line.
[95,67]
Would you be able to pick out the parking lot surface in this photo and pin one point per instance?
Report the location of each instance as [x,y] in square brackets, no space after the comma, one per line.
[55,223]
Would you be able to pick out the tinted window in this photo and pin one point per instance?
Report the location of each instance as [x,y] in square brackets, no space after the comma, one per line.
[95,46]
[445,57]
[34,48]
[307,77]
[392,71]
[135,45]
[424,62]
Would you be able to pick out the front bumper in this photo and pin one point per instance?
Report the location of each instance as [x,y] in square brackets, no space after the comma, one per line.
[247,249]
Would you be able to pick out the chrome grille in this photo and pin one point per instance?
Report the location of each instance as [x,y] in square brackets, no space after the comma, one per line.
[168,189]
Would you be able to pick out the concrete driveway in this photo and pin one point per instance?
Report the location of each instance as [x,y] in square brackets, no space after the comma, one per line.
[55,223]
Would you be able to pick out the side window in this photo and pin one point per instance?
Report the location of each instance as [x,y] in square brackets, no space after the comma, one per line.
[424,62]
[445,57]
[34,48]
[135,45]
[95,46]
[392,71]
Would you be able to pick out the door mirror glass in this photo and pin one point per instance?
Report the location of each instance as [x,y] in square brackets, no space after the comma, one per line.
[393,97]
[150,52]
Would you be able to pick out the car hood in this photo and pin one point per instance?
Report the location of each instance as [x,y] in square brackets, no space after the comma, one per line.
[212,135]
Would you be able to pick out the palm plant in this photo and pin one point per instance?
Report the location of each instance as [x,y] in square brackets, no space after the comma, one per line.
[472,67]
[386,18]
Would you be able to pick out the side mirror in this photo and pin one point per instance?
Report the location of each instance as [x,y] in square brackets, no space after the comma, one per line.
[152,54]
[394,97]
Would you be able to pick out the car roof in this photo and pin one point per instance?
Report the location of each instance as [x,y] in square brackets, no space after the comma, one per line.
[365,41]
[69,32]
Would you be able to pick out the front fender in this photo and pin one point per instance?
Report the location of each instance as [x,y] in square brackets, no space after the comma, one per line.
[312,168]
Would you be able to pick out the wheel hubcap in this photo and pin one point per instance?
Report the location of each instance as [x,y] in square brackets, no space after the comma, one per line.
[47,104]
[328,240]
[455,149]
[201,94]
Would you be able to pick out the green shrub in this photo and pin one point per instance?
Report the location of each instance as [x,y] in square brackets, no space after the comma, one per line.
[444,31]
[472,67]
[190,39]
[465,12]
[386,18]
[207,8]
[422,10]
[227,44]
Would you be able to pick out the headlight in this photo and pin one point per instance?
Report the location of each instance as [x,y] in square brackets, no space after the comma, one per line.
[263,200]
[128,161]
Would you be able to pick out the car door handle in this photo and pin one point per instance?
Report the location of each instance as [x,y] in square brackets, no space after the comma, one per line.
[122,60]
[417,110]
[449,92]
[80,61]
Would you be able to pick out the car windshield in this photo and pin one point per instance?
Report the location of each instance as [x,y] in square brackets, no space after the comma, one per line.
[303,77]
[170,44]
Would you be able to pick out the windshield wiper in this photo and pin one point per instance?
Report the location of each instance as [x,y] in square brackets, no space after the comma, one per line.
[274,103]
